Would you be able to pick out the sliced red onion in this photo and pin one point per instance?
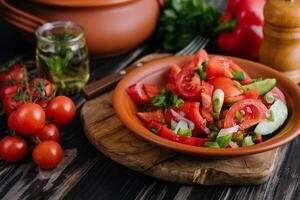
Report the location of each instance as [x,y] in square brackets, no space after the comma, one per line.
[191,124]
[233,145]
[181,125]
[227,131]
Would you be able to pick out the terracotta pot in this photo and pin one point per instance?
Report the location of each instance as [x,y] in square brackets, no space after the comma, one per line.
[111,26]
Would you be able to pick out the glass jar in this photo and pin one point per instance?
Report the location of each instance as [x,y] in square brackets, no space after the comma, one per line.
[62,56]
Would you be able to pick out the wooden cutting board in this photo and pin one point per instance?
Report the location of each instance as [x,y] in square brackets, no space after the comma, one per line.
[113,139]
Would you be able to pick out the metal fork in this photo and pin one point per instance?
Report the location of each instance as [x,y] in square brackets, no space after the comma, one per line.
[100,86]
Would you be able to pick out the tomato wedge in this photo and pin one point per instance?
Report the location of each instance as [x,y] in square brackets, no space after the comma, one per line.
[151,90]
[167,133]
[191,110]
[155,115]
[137,94]
[246,95]
[219,66]
[171,85]
[206,100]
[250,112]
[200,57]
[227,85]
[188,84]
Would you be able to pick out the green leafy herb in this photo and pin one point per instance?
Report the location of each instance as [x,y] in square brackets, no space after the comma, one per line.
[239,76]
[162,100]
[185,132]
[223,141]
[182,20]
[238,137]
[239,116]
[201,70]
[177,102]
[153,130]
[213,135]
[211,144]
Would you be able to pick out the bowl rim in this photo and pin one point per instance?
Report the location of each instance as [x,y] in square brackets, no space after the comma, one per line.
[141,131]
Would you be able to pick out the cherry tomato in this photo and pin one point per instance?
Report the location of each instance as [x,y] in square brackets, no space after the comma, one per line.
[251,111]
[278,94]
[12,149]
[47,154]
[227,85]
[29,118]
[155,115]
[137,94]
[49,132]
[17,74]
[41,87]
[191,110]
[151,90]
[171,85]
[188,84]
[167,133]
[200,57]
[61,110]
[9,104]
[8,90]
[206,100]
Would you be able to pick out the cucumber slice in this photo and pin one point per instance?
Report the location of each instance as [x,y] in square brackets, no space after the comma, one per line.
[262,87]
[280,114]
[248,141]
[218,100]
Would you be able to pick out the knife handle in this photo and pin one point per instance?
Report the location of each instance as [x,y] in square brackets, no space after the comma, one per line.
[107,83]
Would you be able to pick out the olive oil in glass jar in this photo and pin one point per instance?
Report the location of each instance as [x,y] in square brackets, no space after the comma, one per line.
[62,56]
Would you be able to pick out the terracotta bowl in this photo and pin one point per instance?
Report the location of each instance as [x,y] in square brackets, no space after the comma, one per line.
[156,72]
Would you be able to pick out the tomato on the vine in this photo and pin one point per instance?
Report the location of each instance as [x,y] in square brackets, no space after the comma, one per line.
[16,74]
[12,149]
[60,110]
[29,118]
[49,132]
[47,154]
[11,122]
[9,90]
[10,104]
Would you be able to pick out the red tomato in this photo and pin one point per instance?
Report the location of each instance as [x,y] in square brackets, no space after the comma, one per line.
[153,125]
[246,95]
[171,85]
[17,74]
[151,90]
[47,154]
[8,90]
[167,133]
[278,94]
[49,132]
[11,122]
[222,67]
[191,110]
[12,149]
[258,138]
[252,111]
[188,84]
[227,85]
[137,94]
[29,118]
[10,104]
[61,110]
[155,115]
[206,100]
[200,57]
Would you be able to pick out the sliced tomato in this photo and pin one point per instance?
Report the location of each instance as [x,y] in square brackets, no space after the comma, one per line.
[155,115]
[246,95]
[151,90]
[188,84]
[154,125]
[278,94]
[219,66]
[227,85]
[252,111]
[206,100]
[200,57]
[137,94]
[169,116]
[191,110]
[174,71]
[258,138]
[167,133]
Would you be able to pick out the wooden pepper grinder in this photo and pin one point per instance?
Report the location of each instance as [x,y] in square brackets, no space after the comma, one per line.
[281,46]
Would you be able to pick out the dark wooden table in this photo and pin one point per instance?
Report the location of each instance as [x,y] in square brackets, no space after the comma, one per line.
[87,174]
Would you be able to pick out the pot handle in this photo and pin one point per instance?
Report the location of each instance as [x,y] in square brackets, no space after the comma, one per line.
[20,18]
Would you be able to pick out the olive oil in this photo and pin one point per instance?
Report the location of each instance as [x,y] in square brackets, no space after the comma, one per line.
[62,58]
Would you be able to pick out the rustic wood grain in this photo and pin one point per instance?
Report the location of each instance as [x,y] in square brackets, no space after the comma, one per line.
[106,133]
